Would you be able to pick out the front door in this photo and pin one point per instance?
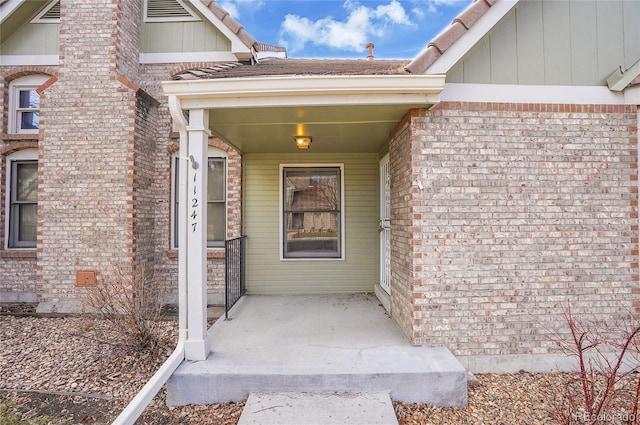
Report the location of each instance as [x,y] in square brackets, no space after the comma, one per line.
[385,225]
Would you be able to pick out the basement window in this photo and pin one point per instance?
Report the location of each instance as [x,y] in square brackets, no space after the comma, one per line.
[167,11]
[312,214]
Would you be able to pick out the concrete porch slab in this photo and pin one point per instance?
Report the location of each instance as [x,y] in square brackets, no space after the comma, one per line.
[337,408]
[316,343]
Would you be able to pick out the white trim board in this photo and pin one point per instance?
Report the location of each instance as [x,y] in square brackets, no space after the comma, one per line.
[504,93]
[29,60]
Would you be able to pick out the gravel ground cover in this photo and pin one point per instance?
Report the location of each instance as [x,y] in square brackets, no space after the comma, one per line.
[50,374]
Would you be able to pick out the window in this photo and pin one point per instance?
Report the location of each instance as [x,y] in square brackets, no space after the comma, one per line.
[312,218]
[216,199]
[22,199]
[24,104]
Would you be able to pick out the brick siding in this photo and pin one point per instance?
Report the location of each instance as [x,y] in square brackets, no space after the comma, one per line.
[104,161]
[523,209]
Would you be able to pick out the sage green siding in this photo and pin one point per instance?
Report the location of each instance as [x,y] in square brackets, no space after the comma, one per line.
[20,37]
[180,37]
[266,273]
[555,42]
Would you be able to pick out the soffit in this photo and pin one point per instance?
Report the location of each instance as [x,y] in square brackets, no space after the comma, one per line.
[15,18]
[344,105]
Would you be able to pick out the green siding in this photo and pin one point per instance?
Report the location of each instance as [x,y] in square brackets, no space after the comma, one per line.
[266,273]
[555,42]
[23,38]
[181,37]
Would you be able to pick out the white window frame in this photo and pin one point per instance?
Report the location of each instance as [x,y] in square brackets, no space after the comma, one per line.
[212,153]
[192,17]
[30,82]
[22,155]
[342,221]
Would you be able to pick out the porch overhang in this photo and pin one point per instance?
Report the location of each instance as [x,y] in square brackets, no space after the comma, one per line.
[352,113]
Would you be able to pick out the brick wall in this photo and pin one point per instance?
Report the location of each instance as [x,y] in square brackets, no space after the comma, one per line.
[17,268]
[402,257]
[523,209]
[105,161]
[142,175]
[85,195]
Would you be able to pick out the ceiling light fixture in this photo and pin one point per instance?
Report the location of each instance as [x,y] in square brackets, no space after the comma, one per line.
[302,142]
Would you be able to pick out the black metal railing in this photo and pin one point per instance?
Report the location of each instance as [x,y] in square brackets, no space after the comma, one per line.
[234,272]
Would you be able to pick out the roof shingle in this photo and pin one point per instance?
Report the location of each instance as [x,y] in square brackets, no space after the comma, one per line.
[279,67]
[459,26]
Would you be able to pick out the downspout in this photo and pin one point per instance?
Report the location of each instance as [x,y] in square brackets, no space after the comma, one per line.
[137,405]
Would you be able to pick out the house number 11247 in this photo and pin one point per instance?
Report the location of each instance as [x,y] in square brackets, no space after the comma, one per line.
[194,205]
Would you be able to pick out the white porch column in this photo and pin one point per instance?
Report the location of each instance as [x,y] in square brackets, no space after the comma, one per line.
[197,345]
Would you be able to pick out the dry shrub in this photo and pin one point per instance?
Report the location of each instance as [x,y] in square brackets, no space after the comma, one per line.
[127,309]
[606,388]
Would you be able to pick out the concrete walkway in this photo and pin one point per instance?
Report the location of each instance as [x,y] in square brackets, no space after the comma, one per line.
[321,343]
[372,408]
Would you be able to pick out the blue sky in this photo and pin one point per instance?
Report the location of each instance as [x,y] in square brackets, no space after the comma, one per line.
[399,29]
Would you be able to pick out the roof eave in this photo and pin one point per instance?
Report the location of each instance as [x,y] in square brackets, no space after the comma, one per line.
[312,90]
[462,35]
[8,7]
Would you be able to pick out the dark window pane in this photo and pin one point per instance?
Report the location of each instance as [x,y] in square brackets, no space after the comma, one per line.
[29,99]
[27,182]
[29,120]
[312,233]
[216,223]
[312,190]
[216,182]
[27,223]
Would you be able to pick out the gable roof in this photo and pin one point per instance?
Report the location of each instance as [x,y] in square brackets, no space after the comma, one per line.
[243,45]
[461,27]
[443,53]
[238,30]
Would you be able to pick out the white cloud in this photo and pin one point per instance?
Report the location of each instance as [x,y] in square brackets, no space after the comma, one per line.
[236,7]
[432,6]
[351,34]
[231,8]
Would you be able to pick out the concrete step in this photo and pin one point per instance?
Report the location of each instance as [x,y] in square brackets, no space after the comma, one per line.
[343,343]
[334,408]
[410,374]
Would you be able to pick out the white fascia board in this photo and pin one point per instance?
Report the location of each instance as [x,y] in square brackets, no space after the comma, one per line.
[29,60]
[460,47]
[237,46]
[147,58]
[506,93]
[306,90]
[8,8]
[410,101]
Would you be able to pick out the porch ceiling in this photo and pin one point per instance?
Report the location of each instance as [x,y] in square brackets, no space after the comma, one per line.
[341,113]
[338,128]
